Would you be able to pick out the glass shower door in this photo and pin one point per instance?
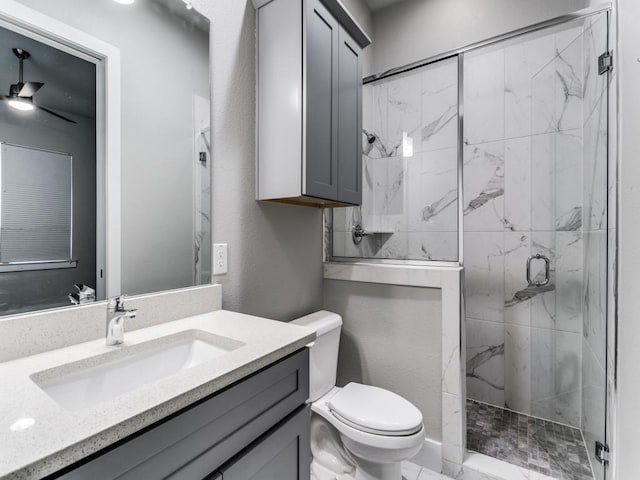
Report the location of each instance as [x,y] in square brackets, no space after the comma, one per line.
[566,247]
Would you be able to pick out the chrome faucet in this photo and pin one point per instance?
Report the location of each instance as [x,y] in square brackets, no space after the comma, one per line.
[116,315]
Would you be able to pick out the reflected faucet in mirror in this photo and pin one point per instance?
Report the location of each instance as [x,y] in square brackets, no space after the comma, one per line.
[85,294]
[116,315]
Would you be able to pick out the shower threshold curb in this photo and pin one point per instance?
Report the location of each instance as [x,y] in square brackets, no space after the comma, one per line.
[479,466]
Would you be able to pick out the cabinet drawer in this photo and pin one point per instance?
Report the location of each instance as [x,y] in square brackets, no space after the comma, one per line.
[209,433]
[283,454]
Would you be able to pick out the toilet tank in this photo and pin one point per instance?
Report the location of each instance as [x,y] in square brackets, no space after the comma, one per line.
[323,354]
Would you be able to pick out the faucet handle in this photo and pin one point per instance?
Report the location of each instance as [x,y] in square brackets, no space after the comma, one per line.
[116,304]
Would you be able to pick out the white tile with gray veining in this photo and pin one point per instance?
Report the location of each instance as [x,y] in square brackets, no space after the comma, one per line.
[433,245]
[517,368]
[595,293]
[485,361]
[439,127]
[484,275]
[568,180]
[569,278]
[484,89]
[404,112]
[594,382]
[517,293]
[594,44]
[484,187]
[522,61]
[595,191]
[517,184]
[569,81]
[432,191]
[556,380]
[543,298]
[390,192]
[543,182]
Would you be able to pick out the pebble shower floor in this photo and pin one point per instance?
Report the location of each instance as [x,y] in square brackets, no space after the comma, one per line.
[546,447]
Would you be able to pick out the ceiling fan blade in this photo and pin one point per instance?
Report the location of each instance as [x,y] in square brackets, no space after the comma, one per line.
[51,112]
[30,88]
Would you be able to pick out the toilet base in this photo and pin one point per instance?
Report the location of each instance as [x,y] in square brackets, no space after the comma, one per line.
[379,471]
[318,472]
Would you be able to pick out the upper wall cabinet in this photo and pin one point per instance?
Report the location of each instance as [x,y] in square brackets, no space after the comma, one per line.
[309,103]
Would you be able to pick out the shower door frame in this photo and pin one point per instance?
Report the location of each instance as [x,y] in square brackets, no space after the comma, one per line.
[453,452]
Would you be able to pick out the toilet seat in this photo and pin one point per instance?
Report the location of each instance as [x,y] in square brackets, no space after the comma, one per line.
[391,442]
[373,431]
[375,410]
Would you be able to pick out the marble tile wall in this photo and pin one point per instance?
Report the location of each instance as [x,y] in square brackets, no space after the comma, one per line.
[202,190]
[410,200]
[534,182]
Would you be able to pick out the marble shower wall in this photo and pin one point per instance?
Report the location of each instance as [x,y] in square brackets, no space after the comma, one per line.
[202,190]
[533,184]
[409,200]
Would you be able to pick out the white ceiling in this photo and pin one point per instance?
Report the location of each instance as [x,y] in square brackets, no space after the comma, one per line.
[69,82]
[379,4]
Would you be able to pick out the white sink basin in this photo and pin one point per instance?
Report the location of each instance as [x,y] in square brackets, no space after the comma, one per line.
[97,379]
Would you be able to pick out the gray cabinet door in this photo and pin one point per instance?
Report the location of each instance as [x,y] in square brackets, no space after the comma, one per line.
[321,132]
[349,120]
[283,454]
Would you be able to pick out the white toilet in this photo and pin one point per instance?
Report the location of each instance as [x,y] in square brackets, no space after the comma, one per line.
[357,432]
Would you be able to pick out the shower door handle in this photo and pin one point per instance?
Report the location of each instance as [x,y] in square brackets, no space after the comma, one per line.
[547,270]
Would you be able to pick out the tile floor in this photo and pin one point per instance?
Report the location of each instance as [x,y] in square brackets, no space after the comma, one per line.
[542,446]
[411,471]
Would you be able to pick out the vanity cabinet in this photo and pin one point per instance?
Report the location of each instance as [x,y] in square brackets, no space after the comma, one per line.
[277,456]
[309,103]
[257,428]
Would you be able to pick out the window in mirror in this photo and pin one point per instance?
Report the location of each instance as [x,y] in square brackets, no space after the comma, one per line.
[36,221]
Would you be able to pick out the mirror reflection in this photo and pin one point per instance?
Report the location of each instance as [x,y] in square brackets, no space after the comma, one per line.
[53,158]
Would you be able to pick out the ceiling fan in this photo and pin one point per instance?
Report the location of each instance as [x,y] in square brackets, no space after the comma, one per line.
[21,93]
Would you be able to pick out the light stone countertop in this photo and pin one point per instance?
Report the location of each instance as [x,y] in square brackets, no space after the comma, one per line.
[60,437]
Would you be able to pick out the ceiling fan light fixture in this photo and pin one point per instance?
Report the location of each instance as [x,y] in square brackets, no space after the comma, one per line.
[124,2]
[21,104]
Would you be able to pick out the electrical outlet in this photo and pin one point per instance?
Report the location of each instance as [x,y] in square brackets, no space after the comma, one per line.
[220,266]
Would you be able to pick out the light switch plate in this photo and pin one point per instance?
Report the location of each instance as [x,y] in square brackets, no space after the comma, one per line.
[220,260]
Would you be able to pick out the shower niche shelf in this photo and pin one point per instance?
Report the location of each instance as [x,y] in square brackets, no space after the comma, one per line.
[358,233]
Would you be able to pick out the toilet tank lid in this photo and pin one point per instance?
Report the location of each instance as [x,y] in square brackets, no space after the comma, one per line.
[322,321]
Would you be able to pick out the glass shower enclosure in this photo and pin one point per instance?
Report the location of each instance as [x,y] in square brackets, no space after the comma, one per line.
[496,158]
[535,242]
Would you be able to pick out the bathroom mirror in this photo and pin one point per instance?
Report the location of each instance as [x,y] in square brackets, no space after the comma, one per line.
[105,162]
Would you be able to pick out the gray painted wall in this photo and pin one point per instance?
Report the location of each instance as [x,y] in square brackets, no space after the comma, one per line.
[362,14]
[391,338]
[627,442]
[275,251]
[163,64]
[416,29]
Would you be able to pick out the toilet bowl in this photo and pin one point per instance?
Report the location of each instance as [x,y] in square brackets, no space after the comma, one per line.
[358,432]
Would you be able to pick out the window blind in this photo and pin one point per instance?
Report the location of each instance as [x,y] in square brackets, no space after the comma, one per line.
[35,205]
